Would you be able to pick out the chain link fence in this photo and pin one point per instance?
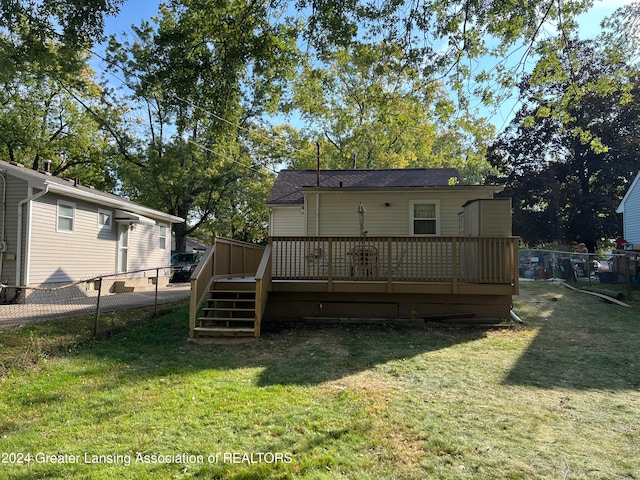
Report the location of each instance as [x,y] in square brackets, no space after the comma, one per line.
[619,268]
[85,302]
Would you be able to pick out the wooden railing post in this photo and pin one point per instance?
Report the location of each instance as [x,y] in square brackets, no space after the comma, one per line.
[454,260]
[390,264]
[330,266]
[454,265]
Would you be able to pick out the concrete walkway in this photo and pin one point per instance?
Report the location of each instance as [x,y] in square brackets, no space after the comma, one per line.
[20,314]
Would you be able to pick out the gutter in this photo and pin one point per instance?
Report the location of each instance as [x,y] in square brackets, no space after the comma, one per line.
[27,200]
[113,202]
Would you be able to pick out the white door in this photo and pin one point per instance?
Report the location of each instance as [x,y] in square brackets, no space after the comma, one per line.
[123,247]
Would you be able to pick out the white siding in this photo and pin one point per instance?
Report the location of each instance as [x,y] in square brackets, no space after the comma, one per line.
[144,248]
[488,218]
[472,220]
[64,257]
[631,215]
[287,221]
[338,213]
[90,250]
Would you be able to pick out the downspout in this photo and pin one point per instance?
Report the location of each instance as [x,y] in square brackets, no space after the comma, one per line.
[19,241]
[305,206]
[3,174]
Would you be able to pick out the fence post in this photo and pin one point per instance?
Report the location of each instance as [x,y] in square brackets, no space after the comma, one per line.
[95,329]
[628,276]
[155,301]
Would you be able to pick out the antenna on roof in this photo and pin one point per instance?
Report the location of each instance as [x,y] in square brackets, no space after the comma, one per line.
[318,167]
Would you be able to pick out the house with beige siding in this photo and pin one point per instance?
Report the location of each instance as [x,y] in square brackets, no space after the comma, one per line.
[412,202]
[412,243]
[55,231]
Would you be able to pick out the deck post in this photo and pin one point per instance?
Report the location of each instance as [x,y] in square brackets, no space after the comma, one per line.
[389,266]
[330,266]
[454,266]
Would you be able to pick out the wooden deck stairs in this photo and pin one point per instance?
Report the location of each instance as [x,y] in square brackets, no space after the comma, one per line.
[230,310]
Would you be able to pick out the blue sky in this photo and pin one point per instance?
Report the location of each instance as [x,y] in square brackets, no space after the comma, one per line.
[134,11]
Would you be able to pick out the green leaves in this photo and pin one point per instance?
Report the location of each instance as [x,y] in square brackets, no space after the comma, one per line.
[571,146]
[201,74]
[366,107]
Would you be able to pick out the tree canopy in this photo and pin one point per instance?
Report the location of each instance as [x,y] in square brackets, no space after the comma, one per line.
[201,74]
[364,108]
[371,84]
[50,36]
[568,169]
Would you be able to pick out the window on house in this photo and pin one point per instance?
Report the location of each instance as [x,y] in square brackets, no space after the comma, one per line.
[105,219]
[424,218]
[66,216]
[163,237]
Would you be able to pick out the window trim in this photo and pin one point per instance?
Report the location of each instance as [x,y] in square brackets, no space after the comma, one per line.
[72,205]
[412,219]
[161,237]
[105,226]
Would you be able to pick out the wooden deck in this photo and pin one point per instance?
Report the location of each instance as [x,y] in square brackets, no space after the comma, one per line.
[445,265]
[354,277]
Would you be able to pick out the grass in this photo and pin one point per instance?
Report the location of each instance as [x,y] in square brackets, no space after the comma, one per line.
[557,398]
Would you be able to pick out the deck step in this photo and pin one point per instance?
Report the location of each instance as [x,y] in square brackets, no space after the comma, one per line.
[228,312]
[229,309]
[247,293]
[236,300]
[225,319]
[221,331]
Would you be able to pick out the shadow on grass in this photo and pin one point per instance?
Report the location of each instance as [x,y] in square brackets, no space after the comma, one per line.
[582,343]
[290,354]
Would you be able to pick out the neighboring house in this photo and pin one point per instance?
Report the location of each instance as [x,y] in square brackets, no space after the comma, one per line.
[630,210]
[55,231]
[192,245]
[368,244]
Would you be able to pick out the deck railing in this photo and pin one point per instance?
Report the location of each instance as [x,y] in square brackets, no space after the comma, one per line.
[224,258]
[486,260]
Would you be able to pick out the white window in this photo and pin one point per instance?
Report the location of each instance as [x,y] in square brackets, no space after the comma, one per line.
[66,217]
[105,219]
[163,237]
[425,218]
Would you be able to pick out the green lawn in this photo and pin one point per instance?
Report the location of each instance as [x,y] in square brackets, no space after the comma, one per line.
[558,398]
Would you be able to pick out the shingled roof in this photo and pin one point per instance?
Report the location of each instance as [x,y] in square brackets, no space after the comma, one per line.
[287,188]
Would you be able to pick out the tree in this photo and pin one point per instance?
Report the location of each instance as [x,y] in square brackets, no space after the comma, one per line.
[42,118]
[203,73]
[49,36]
[447,37]
[364,108]
[567,167]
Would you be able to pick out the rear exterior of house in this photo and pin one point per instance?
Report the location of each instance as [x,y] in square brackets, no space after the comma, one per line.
[56,231]
[380,244]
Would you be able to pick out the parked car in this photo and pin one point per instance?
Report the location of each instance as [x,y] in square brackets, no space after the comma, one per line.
[183,264]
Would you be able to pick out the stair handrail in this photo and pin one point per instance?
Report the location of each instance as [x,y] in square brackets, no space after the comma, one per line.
[225,257]
[263,286]
[202,279]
